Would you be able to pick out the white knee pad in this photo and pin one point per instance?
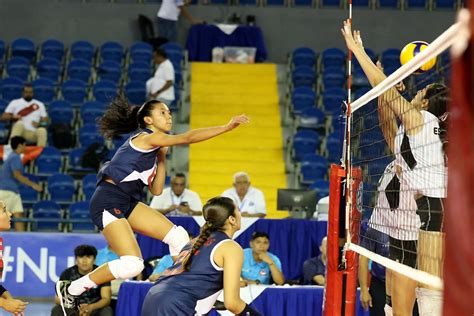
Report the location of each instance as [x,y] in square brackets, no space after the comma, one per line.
[176,239]
[126,267]
[430,302]
[388,310]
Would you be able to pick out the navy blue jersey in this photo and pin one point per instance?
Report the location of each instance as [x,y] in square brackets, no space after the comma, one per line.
[179,292]
[131,168]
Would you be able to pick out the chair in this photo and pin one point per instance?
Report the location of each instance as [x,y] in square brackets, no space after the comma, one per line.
[18,67]
[79,69]
[361,3]
[11,88]
[141,51]
[333,57]
[176,57]
[61,111]
[109,70]
[321,187]
[275,2]
[49,215]
[135,91]
[44,90]
[305,142]
[49,68]
[74,162]
[303,56]
[301,3]
[53,49]
[61,188]
[388,4]
[331,3]
[2,50]
[28,195]
[312,168]
[89,134]
[48,162]
[80,211]
[89,183]
[82,50]
[23,47]
[333,77]
[91,111]
[171,46]
[444,4]
[104,91]
[359,79]
[303,76]
[391,59]
[74,91]
[302,98]
[312,118]
[139,71]
[111,51]
[410,4]
[333,99]
[334,146]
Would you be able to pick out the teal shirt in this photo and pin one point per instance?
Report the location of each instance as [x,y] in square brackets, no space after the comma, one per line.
[105,255]
[164,263]
[252,270]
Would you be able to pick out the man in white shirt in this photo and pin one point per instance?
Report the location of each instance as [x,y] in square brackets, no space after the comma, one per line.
[177,200]
[168,15]
[161,86]
[28,114]
[250,200]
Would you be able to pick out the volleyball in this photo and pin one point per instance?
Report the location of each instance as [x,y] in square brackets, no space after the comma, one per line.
[411,50]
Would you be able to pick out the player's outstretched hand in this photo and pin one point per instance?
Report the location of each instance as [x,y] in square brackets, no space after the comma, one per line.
[348,36]
[237,121]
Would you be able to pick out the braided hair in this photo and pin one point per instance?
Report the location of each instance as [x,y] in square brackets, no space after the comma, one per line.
[216,211]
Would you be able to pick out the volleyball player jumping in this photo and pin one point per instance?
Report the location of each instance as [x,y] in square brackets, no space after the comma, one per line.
[420,163]
[115,207]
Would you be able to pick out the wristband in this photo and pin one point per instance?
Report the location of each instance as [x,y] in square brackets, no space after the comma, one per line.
[249,311]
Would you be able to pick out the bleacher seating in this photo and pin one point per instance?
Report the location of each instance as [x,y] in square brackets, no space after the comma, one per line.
[47,210]
[80,211]
[82,50]
[18,67]
[48,162]
[11,88]
[53,49]
[61,188]
[111,51]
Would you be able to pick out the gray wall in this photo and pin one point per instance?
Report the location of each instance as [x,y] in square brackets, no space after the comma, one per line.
[283,28]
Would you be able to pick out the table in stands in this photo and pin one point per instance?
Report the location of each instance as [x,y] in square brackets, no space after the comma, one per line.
[203,38]
[269,300]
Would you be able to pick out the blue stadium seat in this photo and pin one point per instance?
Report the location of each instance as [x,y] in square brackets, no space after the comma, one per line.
[302,98]
[105,91]
[74,162]
[49,68]
[61,111]
[176,57]
[61,188]
[23,47]
[390,59]
[109,70]
[330,3]
[80,211]
[425,78]
[333,99]
[111,51]
[248,2]
[333,57]
[135,91]
[334,146]
[139,71]
[3,105]
[305,142]
[44,90]
[275,2]
[311,118]
[359,79]
[303,56]
[74,91]
[119,140]
[360,3]
[91,111]
[321,187]
[44,210]
[82,50]
[303,77]
[79,69]
[141,51]
[301,3]
[333,77]
[48,162]
[11,88]
[89,183]
[18,67]
[388,3]
[89,134]
[172,46]
[313,167]
[52,49]
[444,4]
[4,132]
[416,4]
[28,195]
[2,50]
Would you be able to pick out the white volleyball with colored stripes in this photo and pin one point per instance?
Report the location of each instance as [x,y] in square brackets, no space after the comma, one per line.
[411,50]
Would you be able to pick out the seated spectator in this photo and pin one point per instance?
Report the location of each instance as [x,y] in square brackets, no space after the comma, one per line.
[161,86]
[28,115]
[261,266]
[12,176]
[177,200]
[96,301]
[250,200]
[314,269]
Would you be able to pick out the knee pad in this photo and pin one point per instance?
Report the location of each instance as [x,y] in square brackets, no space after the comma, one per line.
[126,267]
[176,239]
[430,302]
[388,310]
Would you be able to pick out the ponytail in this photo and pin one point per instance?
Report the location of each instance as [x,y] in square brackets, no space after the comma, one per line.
[206,231]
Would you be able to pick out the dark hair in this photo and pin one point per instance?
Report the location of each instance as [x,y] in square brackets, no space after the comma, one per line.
[17,140]
[27,85]
[161,52]
[180,175]
[122,118]
[256,235]
[216,211]
[85,250]
[438,97]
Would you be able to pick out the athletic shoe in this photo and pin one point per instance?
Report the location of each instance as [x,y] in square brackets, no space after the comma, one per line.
[68,301]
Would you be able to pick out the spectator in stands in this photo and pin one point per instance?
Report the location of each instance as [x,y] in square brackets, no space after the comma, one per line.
[161,86]
[168,15]
[314,269]
[177,200]
[7,302]
[96,301]
[250,200]
[261,266]
[29,115]
[12,177]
